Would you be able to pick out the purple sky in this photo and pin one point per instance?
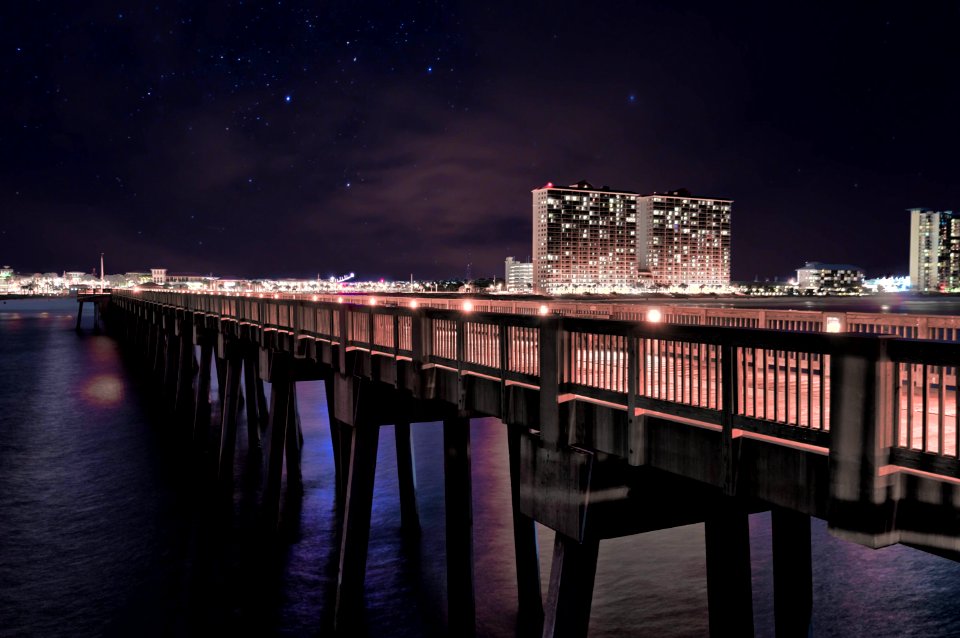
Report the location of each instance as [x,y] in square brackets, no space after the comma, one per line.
[405,138]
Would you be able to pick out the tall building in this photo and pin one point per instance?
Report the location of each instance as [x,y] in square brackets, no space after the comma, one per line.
[518,275]
[685,240]
[934,249]
[584,238]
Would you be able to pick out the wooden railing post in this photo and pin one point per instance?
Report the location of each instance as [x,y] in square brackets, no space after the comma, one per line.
[396,336]
[728,382]
[504,367]
[636,424]
[461,353]
[550,428]
[371,328]
[861,433]
[344,337]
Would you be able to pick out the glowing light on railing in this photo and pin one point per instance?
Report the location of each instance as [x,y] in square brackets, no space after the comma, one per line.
[260,296]
[833,324]
[276,296]
[314,297]
[339,299]
[654,315]
[414,304]
[468,306]
[373,301]
[544,310]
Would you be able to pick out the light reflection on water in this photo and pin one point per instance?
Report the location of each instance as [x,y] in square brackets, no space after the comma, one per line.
[104,390]
[104,532]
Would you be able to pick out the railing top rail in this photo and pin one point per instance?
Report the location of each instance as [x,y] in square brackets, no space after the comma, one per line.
[760,337]
[925,351]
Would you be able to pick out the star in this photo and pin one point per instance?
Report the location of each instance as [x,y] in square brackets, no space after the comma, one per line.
[287,98]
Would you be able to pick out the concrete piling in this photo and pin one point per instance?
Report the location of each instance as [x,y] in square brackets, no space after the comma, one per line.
[570,597]
[458,500]
[355,535]
[407,480]
[729,588]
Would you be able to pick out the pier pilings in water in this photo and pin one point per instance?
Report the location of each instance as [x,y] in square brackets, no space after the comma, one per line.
[586,467]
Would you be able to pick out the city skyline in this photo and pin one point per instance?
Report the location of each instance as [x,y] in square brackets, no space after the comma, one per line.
[405,140]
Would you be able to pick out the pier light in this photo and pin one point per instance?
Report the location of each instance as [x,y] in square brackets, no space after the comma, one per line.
[654,315]
[832,325]
[260,296]
[276,296]
[413,303]
[468,306]
[314,297]
[373,301]
[339,299]
[544,309]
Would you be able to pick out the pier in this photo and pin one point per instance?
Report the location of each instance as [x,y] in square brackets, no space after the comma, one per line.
[617,424]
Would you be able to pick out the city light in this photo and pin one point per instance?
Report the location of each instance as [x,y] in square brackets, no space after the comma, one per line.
[654,315]
[544,309]
[373,301]
[468,306]
[413,303]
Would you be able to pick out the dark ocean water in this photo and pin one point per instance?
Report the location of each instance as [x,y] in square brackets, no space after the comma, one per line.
[104,529]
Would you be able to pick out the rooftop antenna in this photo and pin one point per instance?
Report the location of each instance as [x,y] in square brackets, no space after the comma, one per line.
[101,270]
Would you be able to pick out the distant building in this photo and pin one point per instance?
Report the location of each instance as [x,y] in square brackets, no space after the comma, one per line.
[685,240]
[584,238]
[6,272]
[158,276]
[518,275]
[934,249]
[189,280]
[822,277]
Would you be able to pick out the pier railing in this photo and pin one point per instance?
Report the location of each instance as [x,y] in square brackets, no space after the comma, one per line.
[772,383]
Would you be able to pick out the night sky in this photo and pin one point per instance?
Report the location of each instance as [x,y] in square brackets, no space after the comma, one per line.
[296,138]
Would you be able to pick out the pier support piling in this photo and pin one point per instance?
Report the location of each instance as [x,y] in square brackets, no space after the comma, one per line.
[228,428]
[407,479]
[341,444]
[201,415]
[792,573]
[182,403]
[254,410]
[570,597]
[529,594]
[171,366]
[355,535]
[221,365]
[294,444]
[281,385]
[458,499]
[729,589]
